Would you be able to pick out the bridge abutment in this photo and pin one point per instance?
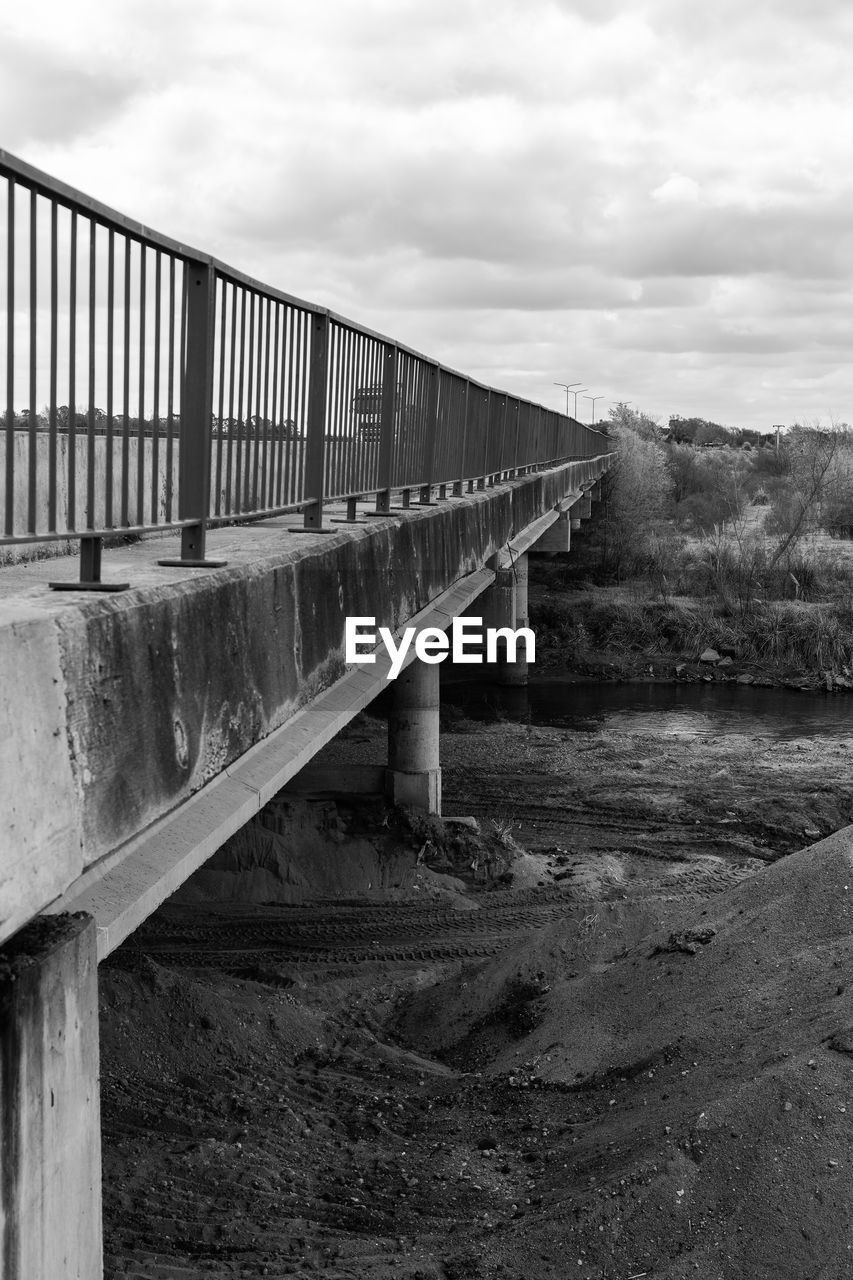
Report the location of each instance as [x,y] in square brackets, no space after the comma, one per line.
[414,771]
[50,1132]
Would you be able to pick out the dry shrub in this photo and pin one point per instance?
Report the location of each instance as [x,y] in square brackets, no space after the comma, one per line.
[792,634]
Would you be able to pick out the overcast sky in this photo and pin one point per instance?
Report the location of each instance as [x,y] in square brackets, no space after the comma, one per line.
[653,199]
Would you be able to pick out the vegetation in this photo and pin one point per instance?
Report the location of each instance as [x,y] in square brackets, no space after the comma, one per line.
[718,538]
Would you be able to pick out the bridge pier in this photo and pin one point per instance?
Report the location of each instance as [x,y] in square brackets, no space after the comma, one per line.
[414,772]
[505,605]
[50,1132]
[582,509]
[558,539]
[515,673]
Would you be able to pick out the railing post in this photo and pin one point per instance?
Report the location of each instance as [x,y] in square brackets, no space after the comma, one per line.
[386,428]
[196,417]
[459,483]
[315,445]
[425,495]
[481,478]
[499,475]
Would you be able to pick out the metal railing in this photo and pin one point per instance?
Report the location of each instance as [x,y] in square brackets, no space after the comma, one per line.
[208,397]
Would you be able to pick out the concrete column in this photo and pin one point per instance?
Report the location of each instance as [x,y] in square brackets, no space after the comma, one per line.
[499,610]
[414,773]
[515,673]
[50,1132]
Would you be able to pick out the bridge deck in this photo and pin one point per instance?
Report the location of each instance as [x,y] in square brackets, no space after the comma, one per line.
[147,726]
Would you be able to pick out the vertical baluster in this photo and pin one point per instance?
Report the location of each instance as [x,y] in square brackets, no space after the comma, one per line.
[170,396]
[125,392]
[91,521]
[110,465]
[229,461]
[54,308]
[155,392]
[9,526]
[32,432]
[140,433]
[274,484]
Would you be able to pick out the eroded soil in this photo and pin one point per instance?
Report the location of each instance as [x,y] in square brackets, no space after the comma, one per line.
[636,1060]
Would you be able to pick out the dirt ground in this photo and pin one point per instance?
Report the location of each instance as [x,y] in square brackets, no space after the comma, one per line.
[634,1060]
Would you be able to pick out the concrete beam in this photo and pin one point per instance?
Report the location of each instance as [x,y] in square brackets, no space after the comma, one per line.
[50,1132]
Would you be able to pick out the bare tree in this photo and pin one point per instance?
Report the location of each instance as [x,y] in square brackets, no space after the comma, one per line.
[812,451]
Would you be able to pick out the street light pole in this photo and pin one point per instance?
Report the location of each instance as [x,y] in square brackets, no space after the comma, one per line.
[568,386]
[593,399]
[576,394]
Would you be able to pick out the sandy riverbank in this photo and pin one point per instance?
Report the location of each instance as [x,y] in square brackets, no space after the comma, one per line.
[633,1061]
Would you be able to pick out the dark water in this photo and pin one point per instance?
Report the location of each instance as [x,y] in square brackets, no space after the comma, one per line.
[681,710]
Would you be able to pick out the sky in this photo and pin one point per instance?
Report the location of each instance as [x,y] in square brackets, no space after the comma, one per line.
[652,200]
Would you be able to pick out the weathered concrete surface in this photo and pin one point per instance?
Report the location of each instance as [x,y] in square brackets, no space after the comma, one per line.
[41,841]
[414,772]
[516,673]
[155,692]
[123,889]
[50,1133]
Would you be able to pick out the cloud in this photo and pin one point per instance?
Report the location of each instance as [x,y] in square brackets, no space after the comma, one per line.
[677,189]
[47,99]
[653,194]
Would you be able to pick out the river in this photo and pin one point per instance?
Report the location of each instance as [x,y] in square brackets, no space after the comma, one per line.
[665,709]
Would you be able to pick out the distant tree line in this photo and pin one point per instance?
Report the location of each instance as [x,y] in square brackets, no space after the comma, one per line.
[253,427]
[702,433]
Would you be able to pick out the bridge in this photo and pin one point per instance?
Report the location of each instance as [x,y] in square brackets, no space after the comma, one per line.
[247,471]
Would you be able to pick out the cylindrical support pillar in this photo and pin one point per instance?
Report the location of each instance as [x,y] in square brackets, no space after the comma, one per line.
[50,1130]
[414,773]
[499,611]
[515,672]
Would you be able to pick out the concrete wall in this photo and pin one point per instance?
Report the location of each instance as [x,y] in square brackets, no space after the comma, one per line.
[126,705]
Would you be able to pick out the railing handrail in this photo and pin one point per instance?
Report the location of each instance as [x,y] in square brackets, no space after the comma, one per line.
[108,217]
[294,362]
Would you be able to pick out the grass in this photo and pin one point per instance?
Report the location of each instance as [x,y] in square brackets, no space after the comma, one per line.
[786,635]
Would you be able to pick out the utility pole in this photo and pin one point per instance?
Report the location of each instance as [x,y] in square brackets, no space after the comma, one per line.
[592,415]
[568,386]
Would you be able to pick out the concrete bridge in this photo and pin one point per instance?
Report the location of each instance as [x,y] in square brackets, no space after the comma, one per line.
[146,725]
